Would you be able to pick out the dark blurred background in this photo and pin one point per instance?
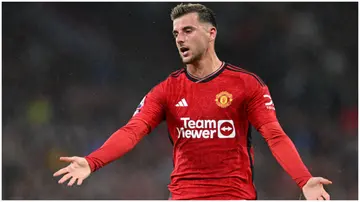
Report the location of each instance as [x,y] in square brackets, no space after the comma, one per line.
[73,73]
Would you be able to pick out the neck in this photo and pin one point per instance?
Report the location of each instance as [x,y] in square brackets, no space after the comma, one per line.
[205,66]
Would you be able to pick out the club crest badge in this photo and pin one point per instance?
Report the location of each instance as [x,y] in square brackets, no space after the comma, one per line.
[223,99]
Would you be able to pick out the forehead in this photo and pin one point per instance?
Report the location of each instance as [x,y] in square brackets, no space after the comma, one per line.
[190,19]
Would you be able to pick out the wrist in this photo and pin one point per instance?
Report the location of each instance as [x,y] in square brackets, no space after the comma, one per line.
[302,181]
[90,163]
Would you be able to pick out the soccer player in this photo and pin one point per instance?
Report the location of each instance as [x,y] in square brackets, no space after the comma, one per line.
[208,106]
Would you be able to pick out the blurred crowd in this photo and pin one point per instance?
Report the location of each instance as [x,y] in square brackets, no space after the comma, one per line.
[73,73]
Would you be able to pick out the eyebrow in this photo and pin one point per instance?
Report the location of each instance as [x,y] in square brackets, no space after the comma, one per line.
[187,27]
[184,28]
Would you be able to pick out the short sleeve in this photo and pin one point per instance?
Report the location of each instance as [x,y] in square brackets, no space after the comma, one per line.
[260,106]
[151,109]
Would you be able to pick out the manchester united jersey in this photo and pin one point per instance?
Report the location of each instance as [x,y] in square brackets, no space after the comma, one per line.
[209,121]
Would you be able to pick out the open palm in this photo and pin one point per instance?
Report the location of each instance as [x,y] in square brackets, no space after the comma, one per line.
[314,189]
[78,170]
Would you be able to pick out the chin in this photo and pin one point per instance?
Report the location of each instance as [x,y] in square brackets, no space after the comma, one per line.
[188,60]
[185,60]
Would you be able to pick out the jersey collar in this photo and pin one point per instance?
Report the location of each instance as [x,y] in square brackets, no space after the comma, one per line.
[208,77]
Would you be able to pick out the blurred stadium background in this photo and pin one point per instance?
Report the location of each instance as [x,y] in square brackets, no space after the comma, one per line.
[73,73]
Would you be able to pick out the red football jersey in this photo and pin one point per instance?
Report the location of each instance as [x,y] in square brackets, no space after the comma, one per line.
[209,124]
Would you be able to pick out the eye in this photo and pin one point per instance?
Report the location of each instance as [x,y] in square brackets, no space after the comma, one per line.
[175,34]
[188,31]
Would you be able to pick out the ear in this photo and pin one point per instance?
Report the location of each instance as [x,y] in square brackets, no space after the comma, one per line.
[213,32]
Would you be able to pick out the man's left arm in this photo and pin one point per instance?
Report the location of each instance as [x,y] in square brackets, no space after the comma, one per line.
[261,114]
[285,152]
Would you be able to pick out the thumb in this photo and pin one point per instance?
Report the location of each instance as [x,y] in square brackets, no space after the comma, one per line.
[324,181]
[67,159]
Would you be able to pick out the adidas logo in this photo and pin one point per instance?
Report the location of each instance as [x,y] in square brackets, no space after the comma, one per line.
[182,103]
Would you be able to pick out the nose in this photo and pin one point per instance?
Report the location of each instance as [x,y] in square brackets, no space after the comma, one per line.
[180,39]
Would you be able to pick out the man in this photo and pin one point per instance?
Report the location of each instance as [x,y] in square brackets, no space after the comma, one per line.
[208,106]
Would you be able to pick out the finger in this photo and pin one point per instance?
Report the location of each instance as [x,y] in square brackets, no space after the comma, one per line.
[326,195]
[64,178]
[72,181]
[320,198]
[325,181]
[67,159]
[61,171]
[79,181]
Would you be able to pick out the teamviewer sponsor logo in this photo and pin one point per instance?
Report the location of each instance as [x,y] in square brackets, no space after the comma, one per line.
[206,128]
[226,129]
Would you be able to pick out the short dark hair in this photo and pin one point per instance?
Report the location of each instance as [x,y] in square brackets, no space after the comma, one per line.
[205,13]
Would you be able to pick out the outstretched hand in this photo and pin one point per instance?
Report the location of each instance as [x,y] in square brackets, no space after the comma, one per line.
[78,170]
[314,189]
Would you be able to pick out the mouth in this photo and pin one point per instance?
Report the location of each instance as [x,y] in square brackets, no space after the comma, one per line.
[184,51]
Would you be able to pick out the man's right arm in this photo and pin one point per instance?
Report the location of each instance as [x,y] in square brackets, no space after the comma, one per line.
[118,144]
[147,116]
